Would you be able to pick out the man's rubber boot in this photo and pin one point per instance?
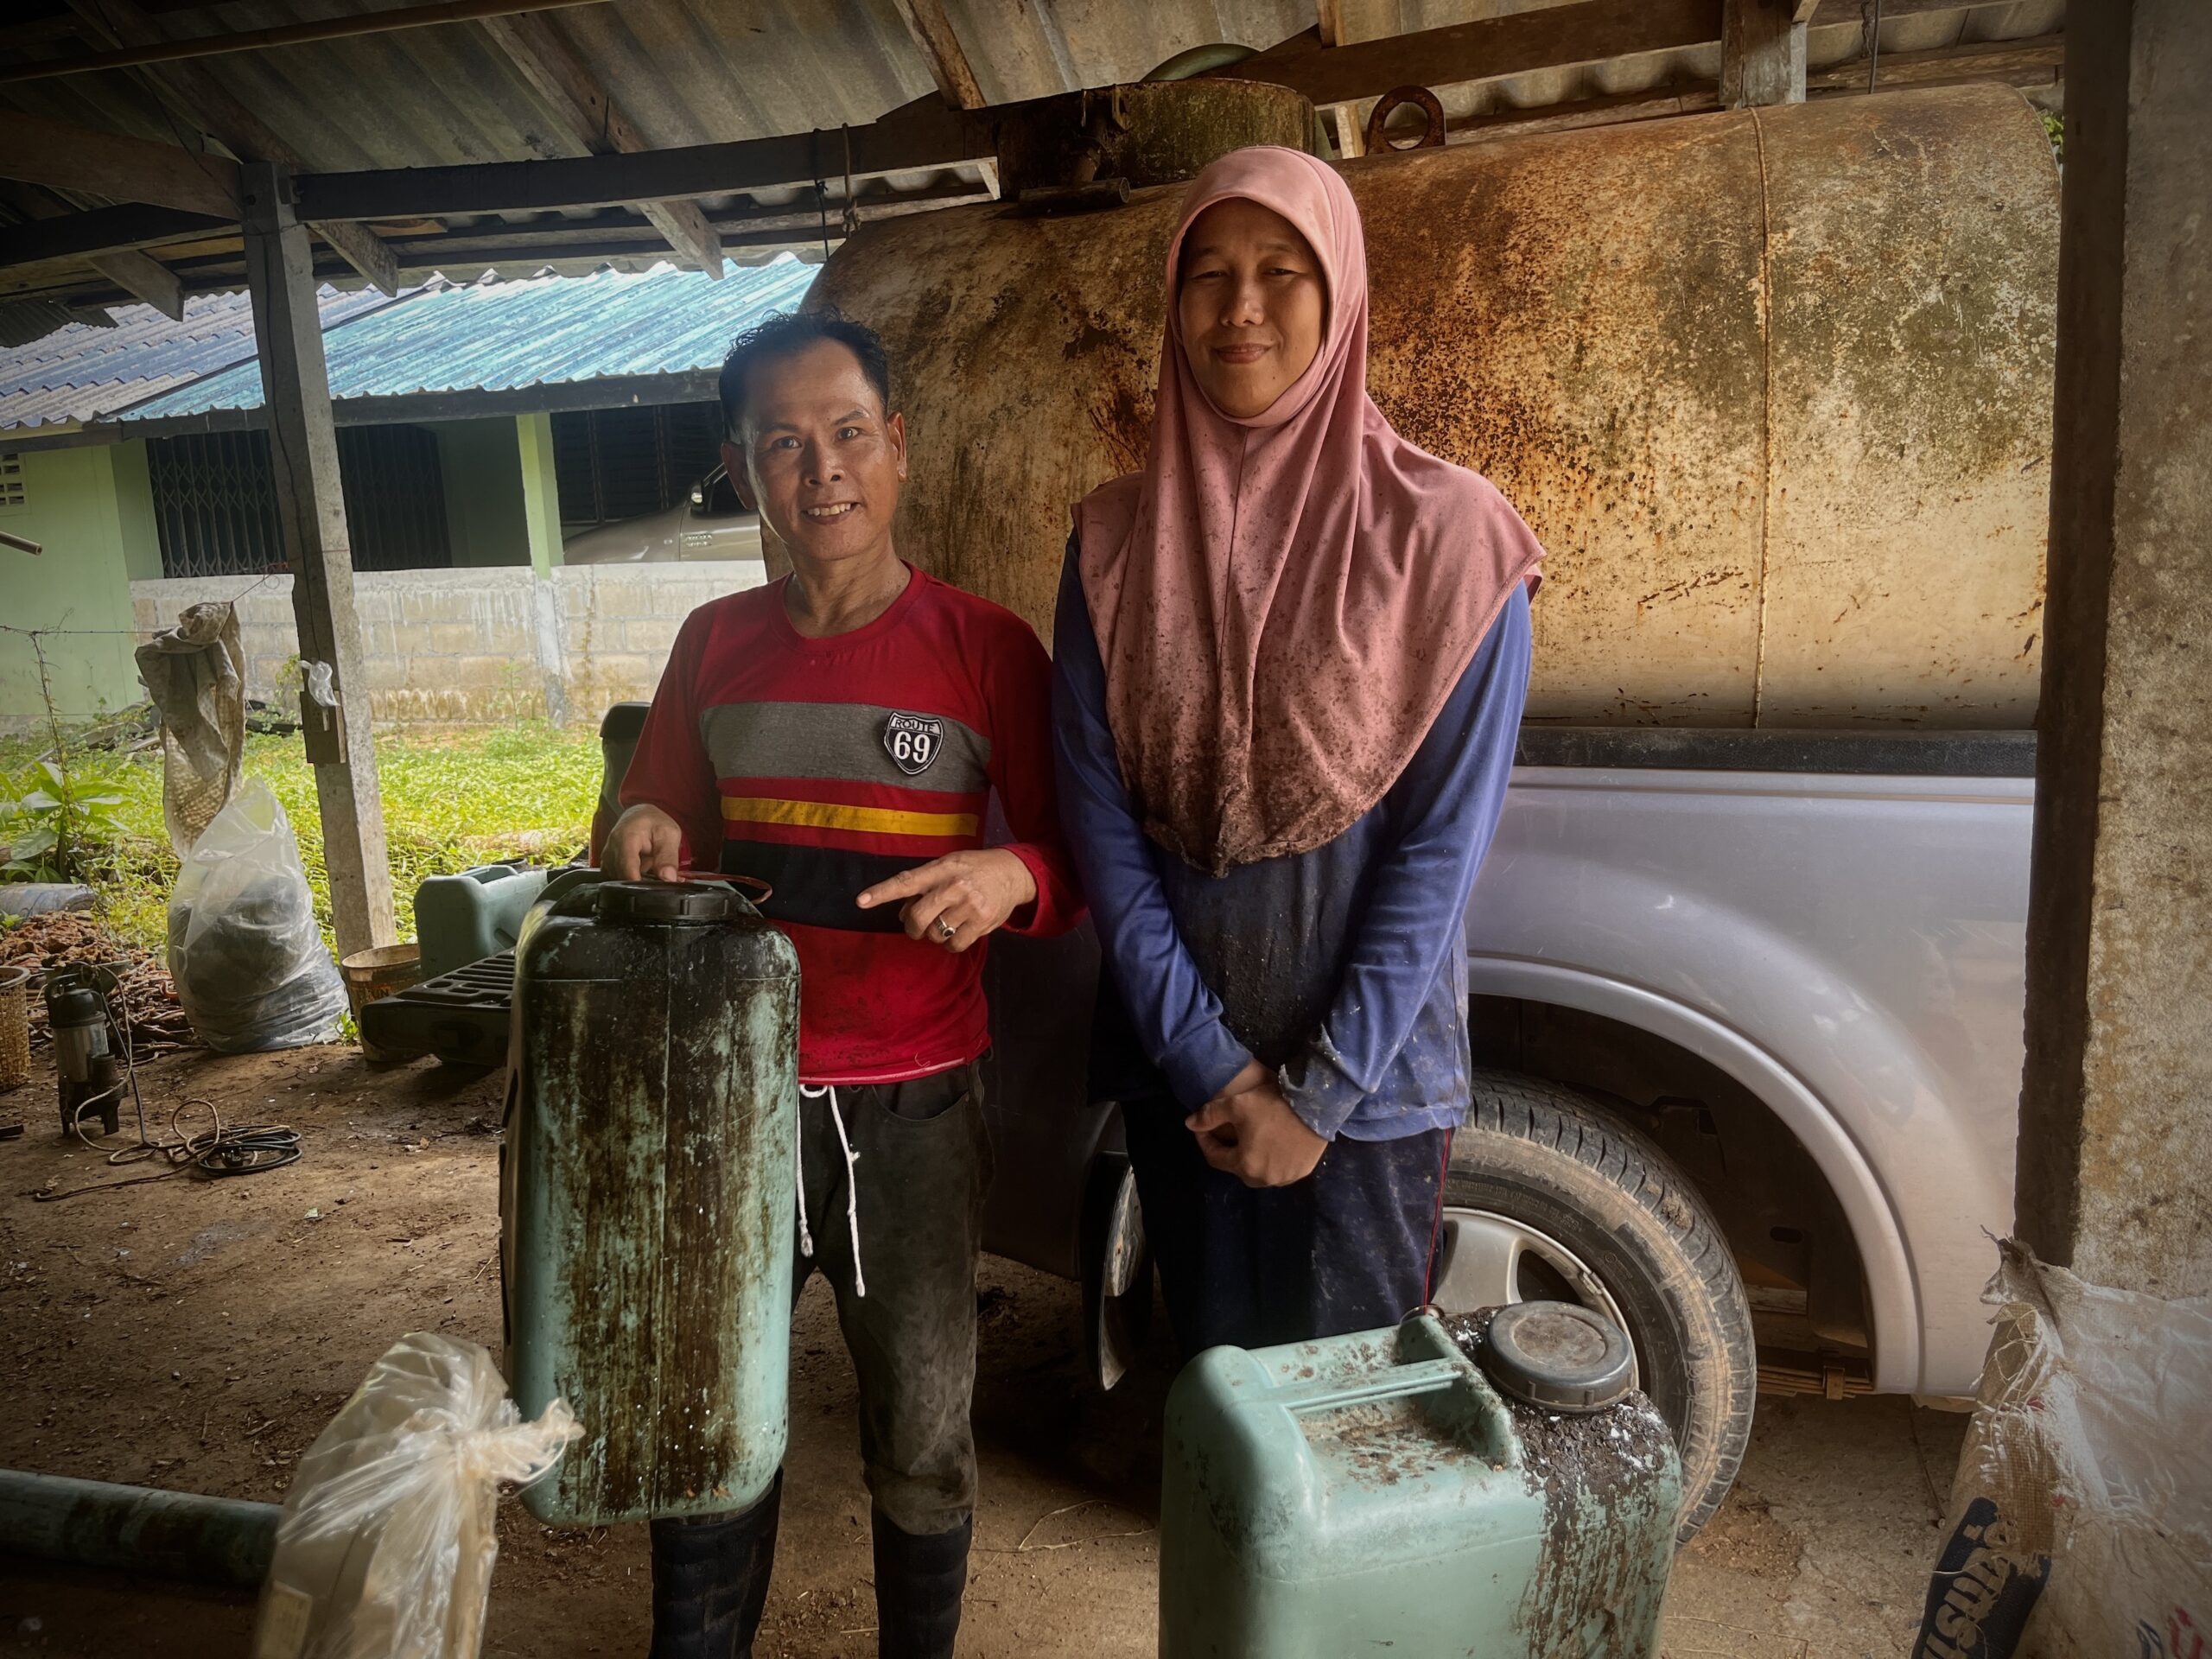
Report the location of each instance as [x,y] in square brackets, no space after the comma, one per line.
[918,1584]
[710,1579]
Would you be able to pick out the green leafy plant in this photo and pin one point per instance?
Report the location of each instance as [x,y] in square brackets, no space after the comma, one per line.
[55,818]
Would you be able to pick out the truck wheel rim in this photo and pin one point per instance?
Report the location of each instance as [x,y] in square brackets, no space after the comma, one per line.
[1486,1260]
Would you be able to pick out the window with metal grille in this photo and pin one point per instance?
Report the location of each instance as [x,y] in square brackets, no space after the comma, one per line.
[11,482]
[395,498]
[215,501]
[612,464]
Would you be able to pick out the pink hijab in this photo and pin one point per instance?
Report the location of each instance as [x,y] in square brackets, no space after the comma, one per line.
[1283,604]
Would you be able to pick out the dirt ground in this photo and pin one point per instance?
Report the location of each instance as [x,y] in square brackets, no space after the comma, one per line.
[197,1335]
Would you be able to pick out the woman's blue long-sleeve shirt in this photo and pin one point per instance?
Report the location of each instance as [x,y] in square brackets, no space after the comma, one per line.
[1344,967]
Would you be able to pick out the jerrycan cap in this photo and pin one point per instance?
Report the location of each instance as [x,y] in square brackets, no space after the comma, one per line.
[669,904]
[1558,1354]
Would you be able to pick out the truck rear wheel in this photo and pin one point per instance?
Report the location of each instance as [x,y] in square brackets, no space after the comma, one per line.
[1552,1195]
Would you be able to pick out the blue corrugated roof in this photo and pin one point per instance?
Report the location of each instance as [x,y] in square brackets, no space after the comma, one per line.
[505,336]
[82,373]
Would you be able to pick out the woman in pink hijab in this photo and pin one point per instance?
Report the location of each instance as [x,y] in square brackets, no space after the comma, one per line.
[1290,660]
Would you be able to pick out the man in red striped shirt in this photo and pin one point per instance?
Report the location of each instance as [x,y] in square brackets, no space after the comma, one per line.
[839,735]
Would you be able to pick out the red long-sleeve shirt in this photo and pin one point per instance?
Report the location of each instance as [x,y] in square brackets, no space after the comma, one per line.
[822,766]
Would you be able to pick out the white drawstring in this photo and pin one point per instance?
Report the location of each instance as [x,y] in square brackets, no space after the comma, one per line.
[798,1161]
[852,1185]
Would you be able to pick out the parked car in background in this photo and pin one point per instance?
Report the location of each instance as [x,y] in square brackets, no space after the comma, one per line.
[712,524]
[1745,1014]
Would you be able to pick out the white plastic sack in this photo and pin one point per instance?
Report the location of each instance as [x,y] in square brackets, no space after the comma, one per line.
[385,1546]
[250,965]
[2082,1512]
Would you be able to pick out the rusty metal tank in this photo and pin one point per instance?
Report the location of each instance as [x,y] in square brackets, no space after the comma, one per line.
[1773,386]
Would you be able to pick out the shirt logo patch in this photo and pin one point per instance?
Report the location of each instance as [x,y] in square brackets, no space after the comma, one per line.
[913,741]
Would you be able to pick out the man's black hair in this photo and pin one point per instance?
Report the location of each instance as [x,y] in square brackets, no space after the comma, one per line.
[787,335]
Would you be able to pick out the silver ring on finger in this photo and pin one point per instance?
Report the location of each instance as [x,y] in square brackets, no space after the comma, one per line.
[945,929]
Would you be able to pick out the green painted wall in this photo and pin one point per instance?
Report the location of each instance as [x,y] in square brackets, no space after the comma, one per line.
[134,504]
[486,519]
[81,582]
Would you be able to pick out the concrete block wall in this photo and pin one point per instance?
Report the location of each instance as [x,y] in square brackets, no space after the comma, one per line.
[491,644]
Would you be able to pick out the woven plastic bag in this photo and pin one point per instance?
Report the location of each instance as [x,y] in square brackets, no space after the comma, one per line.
[385,1546]
[250,964]
[195,674]
[2083,1510]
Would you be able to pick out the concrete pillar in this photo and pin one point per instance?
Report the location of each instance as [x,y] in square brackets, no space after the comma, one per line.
[541,491]
[311,516]
[2115,1158]
[540,510]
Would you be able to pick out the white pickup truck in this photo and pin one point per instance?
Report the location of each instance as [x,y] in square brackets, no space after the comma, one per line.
[1747,1032]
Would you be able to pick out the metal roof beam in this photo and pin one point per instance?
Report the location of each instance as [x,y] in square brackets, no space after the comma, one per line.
[947,59]
[590,117]
[64,157]
[918,136]
[1586,32]
[259,39]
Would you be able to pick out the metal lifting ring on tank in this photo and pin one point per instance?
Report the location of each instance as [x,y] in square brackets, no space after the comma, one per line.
[1102,108]
[1432,136]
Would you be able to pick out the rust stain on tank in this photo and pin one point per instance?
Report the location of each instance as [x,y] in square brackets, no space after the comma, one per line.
[1774,389]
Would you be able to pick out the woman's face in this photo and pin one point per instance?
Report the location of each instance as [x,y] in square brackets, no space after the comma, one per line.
[1251,302]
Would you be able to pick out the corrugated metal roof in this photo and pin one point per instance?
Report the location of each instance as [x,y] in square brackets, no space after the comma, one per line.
[690,71]
[81,372]
[505,336]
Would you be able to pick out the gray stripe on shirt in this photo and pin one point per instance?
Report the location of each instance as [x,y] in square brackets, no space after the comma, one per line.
[840,740]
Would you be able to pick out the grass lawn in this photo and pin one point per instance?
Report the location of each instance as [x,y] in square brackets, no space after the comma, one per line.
[452,797]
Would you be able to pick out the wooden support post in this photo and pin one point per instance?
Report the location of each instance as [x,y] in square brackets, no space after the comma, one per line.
[1762,54]
[588,113]
[311,516]
[2115,1146]
[947,59]
[144,278]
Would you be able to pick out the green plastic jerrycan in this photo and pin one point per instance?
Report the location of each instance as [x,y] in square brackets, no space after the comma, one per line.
[1374,1493]
[477,913]
[647,1193]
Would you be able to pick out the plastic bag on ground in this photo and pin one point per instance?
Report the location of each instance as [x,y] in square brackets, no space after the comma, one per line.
[386,1543]
[250,964]
[195,674]
[2082,1511]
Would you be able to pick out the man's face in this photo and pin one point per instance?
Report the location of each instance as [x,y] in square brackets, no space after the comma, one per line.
[819,458]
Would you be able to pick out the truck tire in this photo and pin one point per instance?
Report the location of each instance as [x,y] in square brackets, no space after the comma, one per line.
[1551,1195]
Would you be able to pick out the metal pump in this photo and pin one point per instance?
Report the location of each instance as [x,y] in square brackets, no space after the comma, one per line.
[87,1052]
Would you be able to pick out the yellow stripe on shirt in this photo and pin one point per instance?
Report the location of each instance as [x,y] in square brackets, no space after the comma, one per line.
[866,820]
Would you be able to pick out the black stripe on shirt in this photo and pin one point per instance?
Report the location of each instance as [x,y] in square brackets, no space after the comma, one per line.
[816,886]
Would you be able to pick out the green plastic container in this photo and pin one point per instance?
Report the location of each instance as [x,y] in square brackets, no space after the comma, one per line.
[646,1194]
[477,913]
[1372,1494]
